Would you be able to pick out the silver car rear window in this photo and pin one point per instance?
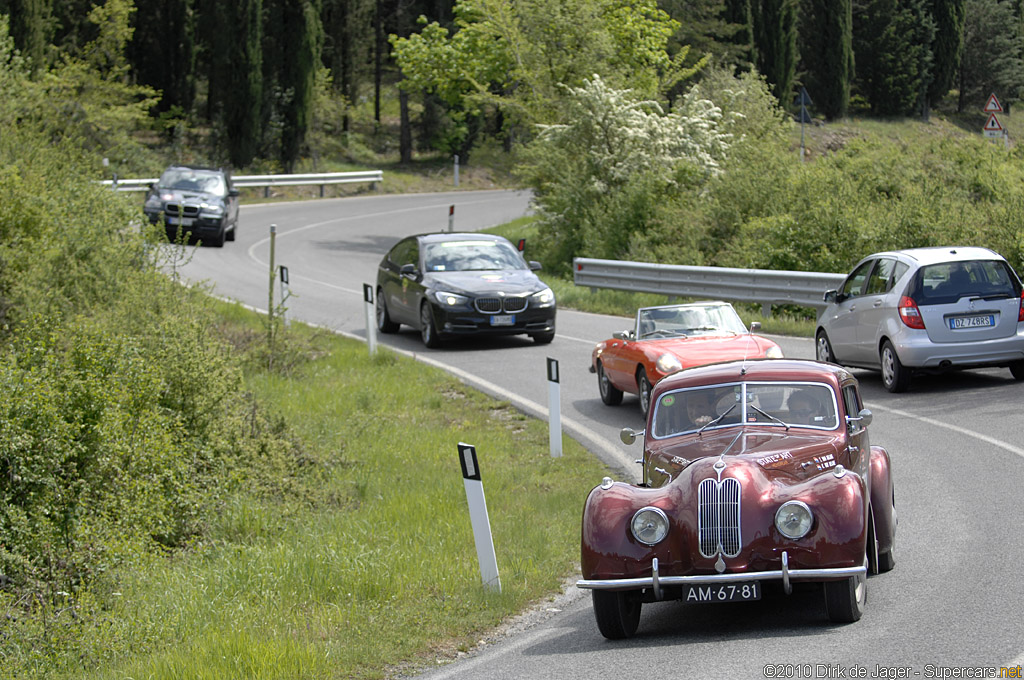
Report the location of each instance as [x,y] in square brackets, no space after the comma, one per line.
[947,282]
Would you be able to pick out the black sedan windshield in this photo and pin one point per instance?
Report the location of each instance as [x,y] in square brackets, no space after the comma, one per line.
[464,256]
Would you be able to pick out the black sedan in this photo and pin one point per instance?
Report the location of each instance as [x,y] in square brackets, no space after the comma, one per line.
[455,284]
[196,203]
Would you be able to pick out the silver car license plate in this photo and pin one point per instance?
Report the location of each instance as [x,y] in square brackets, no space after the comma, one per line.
[503,319]
[983,321]
[726,592]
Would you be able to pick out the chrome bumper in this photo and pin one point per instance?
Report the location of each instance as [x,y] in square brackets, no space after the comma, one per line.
[656,582]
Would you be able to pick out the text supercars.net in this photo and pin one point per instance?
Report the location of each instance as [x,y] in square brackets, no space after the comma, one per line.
[830,671]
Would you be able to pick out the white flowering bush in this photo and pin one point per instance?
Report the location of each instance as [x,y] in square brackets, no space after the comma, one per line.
[602,178]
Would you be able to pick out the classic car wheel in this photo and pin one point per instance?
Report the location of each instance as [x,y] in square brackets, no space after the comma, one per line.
[610,395]
[823,349]
[384,322]
[643,386]
[1017,369]
[844,600]
[427,330]
[543,338]
[895,376]
[617,613]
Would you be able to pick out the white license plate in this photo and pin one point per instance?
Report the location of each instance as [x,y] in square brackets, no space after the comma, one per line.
[503,319]
[183,221]
[727,592]
[972,321]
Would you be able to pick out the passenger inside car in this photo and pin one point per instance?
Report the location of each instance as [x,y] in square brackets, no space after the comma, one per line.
[804,408]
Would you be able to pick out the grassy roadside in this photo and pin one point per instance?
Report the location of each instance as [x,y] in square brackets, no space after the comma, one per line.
[367,561]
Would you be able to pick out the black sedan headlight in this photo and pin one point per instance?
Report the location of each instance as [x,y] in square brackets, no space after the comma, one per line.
[447,299]
[543,298]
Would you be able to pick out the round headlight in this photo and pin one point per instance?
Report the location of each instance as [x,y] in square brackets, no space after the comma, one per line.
[794,519]
[649,525]
[668,363]
[773,352]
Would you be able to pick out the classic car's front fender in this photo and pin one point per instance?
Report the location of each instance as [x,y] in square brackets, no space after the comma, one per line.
[837,537]
[883,499]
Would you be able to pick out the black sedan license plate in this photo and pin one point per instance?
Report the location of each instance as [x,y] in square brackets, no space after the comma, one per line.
[983,321]
[503,320]
[726,592]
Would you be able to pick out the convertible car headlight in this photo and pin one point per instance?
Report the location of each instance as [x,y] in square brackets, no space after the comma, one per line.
[543,298]
[649,525]
[450,299]
[794,519]
[668,363]
[773,352]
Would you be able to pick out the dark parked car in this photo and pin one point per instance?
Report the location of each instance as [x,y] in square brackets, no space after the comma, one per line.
[455,284]
[199,203]
[925,309]
[755,472]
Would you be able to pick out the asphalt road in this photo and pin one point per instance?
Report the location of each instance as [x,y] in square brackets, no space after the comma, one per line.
[951,608]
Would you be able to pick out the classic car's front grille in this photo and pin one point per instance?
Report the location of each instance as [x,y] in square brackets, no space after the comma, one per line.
[718,508]
[495,305]
[184,211]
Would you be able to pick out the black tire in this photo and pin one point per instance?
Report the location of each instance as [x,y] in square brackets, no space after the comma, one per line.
[617,613]
[234,232]
[217,241]
[887,560]
[428,332]
[895,376]
[384,322]
[543,338]
[845,600]
[610,394]
[823,348]
[643,388]
[1017,369]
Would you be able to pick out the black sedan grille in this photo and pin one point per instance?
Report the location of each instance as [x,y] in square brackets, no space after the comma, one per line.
[496,305]
[718,506]
[178,209]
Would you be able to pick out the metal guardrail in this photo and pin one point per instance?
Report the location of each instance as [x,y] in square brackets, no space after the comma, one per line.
[267,181]
[764,286]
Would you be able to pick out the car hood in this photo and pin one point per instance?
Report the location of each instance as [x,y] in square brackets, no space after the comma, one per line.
[706,349]
[798,453]
[509,282]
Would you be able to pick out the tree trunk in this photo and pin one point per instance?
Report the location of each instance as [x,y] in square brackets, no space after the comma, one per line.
[405,133]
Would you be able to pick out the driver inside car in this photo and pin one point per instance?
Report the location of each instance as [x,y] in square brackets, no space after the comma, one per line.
[804,408]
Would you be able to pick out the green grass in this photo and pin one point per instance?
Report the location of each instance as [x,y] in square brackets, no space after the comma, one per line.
[369,562]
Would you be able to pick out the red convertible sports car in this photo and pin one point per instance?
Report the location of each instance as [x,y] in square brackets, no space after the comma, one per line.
[670,338]
[754,473]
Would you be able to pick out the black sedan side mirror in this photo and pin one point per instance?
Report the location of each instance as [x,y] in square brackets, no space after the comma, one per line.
[409,270]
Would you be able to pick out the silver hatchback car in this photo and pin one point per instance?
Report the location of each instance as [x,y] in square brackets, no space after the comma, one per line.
[926,309]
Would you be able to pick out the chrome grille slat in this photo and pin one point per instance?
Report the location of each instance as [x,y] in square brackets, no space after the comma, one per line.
[718,520]
[495,305]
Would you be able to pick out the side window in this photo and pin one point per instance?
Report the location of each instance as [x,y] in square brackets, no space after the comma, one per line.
[880,280]
[851,400]
[854,284]
[901,269]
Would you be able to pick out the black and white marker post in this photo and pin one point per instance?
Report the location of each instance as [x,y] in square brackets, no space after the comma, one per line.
[371,319]
[285,294]
[554,409]
[478,517]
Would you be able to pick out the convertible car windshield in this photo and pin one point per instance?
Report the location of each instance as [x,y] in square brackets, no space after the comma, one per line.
[773,404]
[687,320]
[464,256]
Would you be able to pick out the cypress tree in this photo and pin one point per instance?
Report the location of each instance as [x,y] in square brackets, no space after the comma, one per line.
[775,41]
[162,51]
[738,13]
[826,52]
[29,30]
[893,50]
[947,47]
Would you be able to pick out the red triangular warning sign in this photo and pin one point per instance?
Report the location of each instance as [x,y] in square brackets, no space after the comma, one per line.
[992,124]
[992,105]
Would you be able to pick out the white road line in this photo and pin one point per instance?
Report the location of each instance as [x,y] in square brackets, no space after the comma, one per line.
[955,428]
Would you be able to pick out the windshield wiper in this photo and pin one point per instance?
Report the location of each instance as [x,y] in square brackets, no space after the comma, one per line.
[716,420]
[780,421]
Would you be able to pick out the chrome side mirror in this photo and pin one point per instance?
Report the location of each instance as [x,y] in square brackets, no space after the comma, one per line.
[829,296]
[755,326]
[628,435]
[863,418]
[621,335]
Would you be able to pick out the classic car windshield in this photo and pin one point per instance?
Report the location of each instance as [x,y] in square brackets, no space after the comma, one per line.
[687,320]
[774,404]
[471,255]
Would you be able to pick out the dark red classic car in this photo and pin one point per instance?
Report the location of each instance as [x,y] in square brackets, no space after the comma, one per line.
[753,472]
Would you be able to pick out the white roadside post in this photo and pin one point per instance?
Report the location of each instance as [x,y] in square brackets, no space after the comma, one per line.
[456,169]
[371,318]
[554,409]
[285,294]
[478,517]
[451,218]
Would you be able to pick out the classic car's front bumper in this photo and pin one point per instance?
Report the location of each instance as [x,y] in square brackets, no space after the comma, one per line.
[655,582]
